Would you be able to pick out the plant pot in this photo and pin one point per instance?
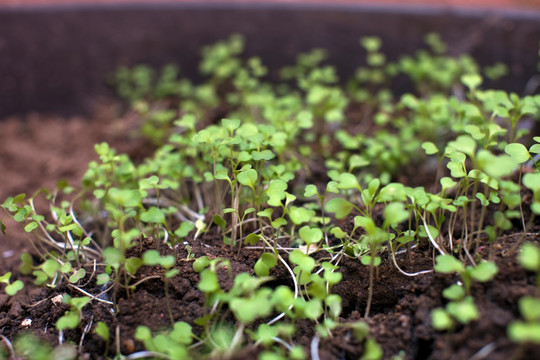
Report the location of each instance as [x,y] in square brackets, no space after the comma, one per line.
[349,203]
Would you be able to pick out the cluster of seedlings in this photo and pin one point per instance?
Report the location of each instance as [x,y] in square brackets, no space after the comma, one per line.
[304,172]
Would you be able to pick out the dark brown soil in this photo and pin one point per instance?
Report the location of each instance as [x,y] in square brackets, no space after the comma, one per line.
[38,150]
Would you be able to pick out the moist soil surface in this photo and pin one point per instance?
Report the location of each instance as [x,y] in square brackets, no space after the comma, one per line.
[38,150]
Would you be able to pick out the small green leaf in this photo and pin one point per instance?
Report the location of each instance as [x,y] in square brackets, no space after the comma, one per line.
[338,232]
[454,292]
[149,183]
[518,152]
[310,235]
[113,257]
[523,332]
[201,263]
[26,264]
[366,260]
[248,178]
[464,143]
[266,334]
[529,307]
[153,215]
[447,183]
[529,257]
[357,161]
[231,124]
[430,148]
[151,257]
[102,279]
[348,181]
[184,229]
[182,333]
[78,302]
[440,320]
[482,199]
[50,267]
[372,350]
[464,311]
[371,43]
[333,303]
[532,181]
[394,213]
[5,278]
[31,226]
[69,321]
[267,213]
[332,187]
[40,277]
[219,221]
[209,282]
[246,310]
[300,215]
[252,239]
[143,333]
[14,287]
[132,265]
[266,262]
[276,192]
[262,155]
[311,309]
[311,190]
[535,149]
[102,330]
[484,271]
[77,276]
[305,262]
[472,81]
[171,273]
[448,264]
[340,207]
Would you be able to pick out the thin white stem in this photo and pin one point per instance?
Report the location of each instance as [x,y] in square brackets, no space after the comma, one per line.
[92,297]
[117,339]
[296,289]
[237,336]
[146,355]
[85,331]
[166,235]
[198,198]
[60,245]
[450,239]
[484,352]
[266,247]
[87,234]
[433,242]
[406,273]
[193,215]
[331,260]
[314,347]
[9,345]
[279,341]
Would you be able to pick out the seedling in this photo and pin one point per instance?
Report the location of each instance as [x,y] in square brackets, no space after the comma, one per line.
[152,258]
[461,306]
[11,287]
[72,318]
[102,330]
